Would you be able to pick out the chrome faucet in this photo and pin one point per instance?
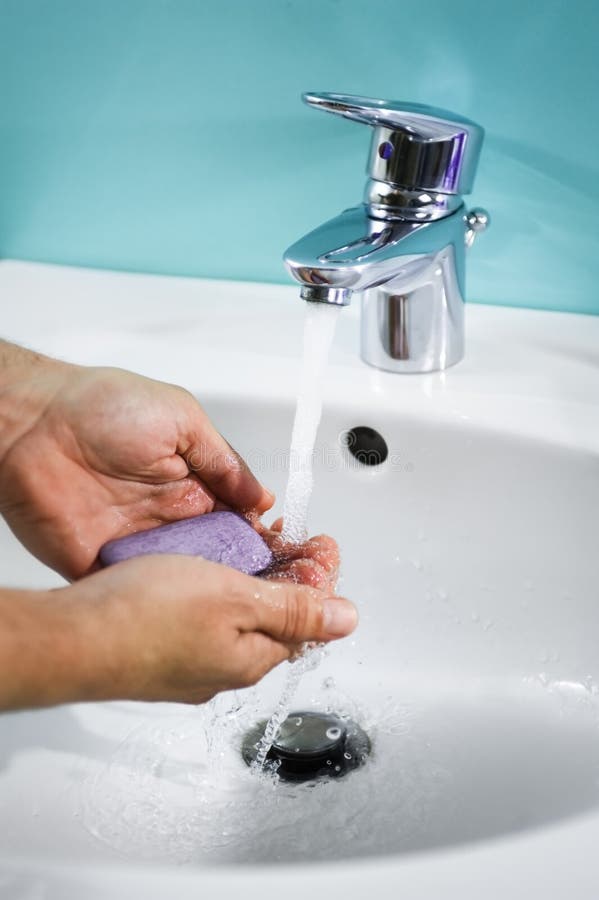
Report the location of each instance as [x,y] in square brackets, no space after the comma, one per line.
[404,247]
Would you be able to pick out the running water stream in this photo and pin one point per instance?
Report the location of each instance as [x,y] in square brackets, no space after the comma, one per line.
[141,803]
[319,330]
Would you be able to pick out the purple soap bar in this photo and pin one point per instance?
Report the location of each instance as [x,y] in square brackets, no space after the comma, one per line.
[222,537]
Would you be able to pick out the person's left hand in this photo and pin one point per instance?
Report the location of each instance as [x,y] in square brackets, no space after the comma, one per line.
[111,452]
[314,562]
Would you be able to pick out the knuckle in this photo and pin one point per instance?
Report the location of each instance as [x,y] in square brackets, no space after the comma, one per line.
[296,615]
[233,459]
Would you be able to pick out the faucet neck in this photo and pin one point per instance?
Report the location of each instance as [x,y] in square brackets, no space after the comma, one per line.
[392,201]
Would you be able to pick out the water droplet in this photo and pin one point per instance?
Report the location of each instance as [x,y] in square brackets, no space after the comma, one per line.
[333,733]
[347,755]
[299,720]
[337,768]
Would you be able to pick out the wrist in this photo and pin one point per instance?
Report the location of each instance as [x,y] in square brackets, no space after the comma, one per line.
[43,652]
[105,662]
[28,383]
[62,646]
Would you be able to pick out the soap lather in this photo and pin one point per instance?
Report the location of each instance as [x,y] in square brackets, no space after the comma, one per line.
[223,537]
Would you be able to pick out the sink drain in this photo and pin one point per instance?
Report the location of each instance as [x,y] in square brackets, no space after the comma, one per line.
[366,445]
[311,745]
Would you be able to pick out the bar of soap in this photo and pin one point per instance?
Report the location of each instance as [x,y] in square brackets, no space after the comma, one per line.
[222,537]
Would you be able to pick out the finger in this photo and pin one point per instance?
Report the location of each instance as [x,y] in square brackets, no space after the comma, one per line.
[303,571]
[272,532]
[253,517]
[296,613]
[175,500]
[268,532]
[143,507]
[322,549]
[221,468]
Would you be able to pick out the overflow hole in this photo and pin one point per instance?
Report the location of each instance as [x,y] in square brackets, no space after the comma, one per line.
[366,445]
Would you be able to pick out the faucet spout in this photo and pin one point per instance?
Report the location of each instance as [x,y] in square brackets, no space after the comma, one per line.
[353,251]
[323,294]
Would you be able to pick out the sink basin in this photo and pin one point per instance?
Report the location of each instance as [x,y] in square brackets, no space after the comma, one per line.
[471,553]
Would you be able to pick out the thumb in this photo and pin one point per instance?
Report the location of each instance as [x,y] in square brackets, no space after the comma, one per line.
[295,613]
[219,466]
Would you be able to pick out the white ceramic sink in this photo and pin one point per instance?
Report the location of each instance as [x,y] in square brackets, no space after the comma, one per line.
[472,555]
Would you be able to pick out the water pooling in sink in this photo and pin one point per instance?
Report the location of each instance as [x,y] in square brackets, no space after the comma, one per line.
[452,764]
[178,790]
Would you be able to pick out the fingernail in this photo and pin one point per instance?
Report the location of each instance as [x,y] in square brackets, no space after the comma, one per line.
[339,617]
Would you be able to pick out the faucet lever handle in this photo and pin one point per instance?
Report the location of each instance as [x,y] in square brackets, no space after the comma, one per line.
[414,146]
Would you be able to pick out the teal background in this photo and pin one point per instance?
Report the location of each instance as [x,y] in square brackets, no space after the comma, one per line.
[168,136]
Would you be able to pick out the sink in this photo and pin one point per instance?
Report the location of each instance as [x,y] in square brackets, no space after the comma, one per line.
[471,553]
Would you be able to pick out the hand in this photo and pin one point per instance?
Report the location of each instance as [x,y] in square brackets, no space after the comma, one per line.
[106,452]
[173,628]
[167,627]
[314,562]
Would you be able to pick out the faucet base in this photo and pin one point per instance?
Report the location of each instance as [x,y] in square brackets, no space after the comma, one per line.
[416,324]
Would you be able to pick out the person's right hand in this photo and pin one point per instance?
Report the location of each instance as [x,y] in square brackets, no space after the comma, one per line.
[90,454]
[179,628]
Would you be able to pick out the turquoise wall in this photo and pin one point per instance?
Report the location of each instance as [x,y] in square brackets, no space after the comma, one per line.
[168,136]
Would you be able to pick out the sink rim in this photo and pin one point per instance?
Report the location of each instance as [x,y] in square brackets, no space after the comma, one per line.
[529,386]
[530,372]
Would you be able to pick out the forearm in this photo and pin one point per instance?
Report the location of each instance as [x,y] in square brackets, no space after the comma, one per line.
[28,382]
[47,653]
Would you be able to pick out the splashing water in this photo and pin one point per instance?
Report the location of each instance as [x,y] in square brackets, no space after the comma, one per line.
[177,790]
[319,330]
[309,659]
